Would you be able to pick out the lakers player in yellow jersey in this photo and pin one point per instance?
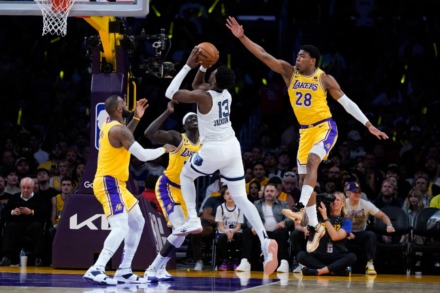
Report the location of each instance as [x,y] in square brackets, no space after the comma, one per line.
[307,88]
[168,190]
[116,143]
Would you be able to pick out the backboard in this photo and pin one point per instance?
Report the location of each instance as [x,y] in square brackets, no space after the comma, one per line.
[118,8]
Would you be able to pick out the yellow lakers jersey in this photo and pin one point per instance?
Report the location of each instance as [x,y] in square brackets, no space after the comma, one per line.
[178,158]
[308,98]
[59,207]
[111,161]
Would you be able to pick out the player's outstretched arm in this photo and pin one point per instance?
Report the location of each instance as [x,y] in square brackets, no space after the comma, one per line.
[161,136]
[351,107]
[280,66]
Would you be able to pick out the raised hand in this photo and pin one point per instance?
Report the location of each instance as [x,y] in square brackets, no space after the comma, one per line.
[236,29]
[141,106]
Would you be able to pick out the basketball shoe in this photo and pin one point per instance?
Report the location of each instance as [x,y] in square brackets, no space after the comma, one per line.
[270,251]
[193,226]
[295,216]
[315,234]
[99,277]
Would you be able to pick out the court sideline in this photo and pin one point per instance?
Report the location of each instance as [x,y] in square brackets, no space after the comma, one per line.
[46,279]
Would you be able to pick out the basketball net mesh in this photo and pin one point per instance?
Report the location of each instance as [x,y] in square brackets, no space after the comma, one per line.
[55,13]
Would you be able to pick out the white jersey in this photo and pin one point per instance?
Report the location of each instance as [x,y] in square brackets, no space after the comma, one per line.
[216,124]
[229,217]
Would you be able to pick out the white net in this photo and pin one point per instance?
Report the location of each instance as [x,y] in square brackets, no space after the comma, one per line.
[55,13]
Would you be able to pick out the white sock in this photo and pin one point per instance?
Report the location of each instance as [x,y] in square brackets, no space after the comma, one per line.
[312,215]
[306,192]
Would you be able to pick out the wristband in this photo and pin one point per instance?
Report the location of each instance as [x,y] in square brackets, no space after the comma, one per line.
[137,119]
[202,68]
[327,220]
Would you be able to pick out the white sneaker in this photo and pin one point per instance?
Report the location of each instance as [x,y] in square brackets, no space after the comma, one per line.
[163,275]
[244,277]
[199,266]
[244,266]
[298,269]
[99,277]
[370,268]
[270,250]
[151,275]
[284,267]
[126,276]
[193,226]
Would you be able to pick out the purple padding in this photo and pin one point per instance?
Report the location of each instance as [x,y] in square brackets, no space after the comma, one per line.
[83,228]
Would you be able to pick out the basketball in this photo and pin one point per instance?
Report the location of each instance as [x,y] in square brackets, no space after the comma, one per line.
[209,55]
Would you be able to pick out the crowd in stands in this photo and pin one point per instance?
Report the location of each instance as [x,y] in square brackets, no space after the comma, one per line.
[45,117]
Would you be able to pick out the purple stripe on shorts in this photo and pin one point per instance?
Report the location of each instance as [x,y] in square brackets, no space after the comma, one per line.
[331,137]
[165,193]
[114,195]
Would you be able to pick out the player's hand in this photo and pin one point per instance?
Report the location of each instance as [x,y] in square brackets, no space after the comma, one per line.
[236,29]
[169,148]
[193,59]
[170,106]
[376,132]
[141,106]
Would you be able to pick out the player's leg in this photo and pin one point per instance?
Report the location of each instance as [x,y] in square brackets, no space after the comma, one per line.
[316,143]
[136,224]
[114,209]
[170,198]
[233,174]
[200,164]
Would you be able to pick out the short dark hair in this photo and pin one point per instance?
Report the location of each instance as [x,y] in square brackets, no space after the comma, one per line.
[225,77]
[313,51]
[111,103]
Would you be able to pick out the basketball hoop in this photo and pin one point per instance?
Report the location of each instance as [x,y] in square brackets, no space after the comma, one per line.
[55,13]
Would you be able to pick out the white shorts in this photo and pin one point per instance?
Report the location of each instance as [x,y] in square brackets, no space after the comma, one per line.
[224,156]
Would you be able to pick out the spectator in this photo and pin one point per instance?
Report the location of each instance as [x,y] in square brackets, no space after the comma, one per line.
[435,201]
[421,183]
[12,182]
[290,192]
[332,256]
[277,226]
[229,219]
[387,196]
[358,211]
[254,194]
[207,235]
[25,216]
[259,173]
[63,169]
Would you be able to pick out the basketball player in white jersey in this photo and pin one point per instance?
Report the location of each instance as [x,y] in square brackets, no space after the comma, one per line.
[220,149]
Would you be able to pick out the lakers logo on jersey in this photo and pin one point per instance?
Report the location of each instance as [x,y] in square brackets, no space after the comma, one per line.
[118,207]
[169,207]
[328,146]
[186,153]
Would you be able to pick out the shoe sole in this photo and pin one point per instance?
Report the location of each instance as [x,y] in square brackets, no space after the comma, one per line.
[315,246]
[271,266]
[194,231]
[123,281]
[98,283]
[297,217]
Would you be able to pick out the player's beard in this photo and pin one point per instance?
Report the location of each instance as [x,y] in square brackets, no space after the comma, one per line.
[125,113]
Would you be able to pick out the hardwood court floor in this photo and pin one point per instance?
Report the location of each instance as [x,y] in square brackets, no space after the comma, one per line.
[38,280]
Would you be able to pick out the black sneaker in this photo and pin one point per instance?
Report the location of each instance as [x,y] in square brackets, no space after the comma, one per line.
[345,272]
[309,272]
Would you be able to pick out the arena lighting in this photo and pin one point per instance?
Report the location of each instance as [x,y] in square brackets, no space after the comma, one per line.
[256,17]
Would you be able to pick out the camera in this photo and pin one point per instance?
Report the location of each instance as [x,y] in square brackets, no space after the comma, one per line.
[156,65]
[327,199]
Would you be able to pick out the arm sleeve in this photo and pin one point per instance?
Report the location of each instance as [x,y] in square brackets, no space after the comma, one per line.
[145,154]
[353,109]
[176,82]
